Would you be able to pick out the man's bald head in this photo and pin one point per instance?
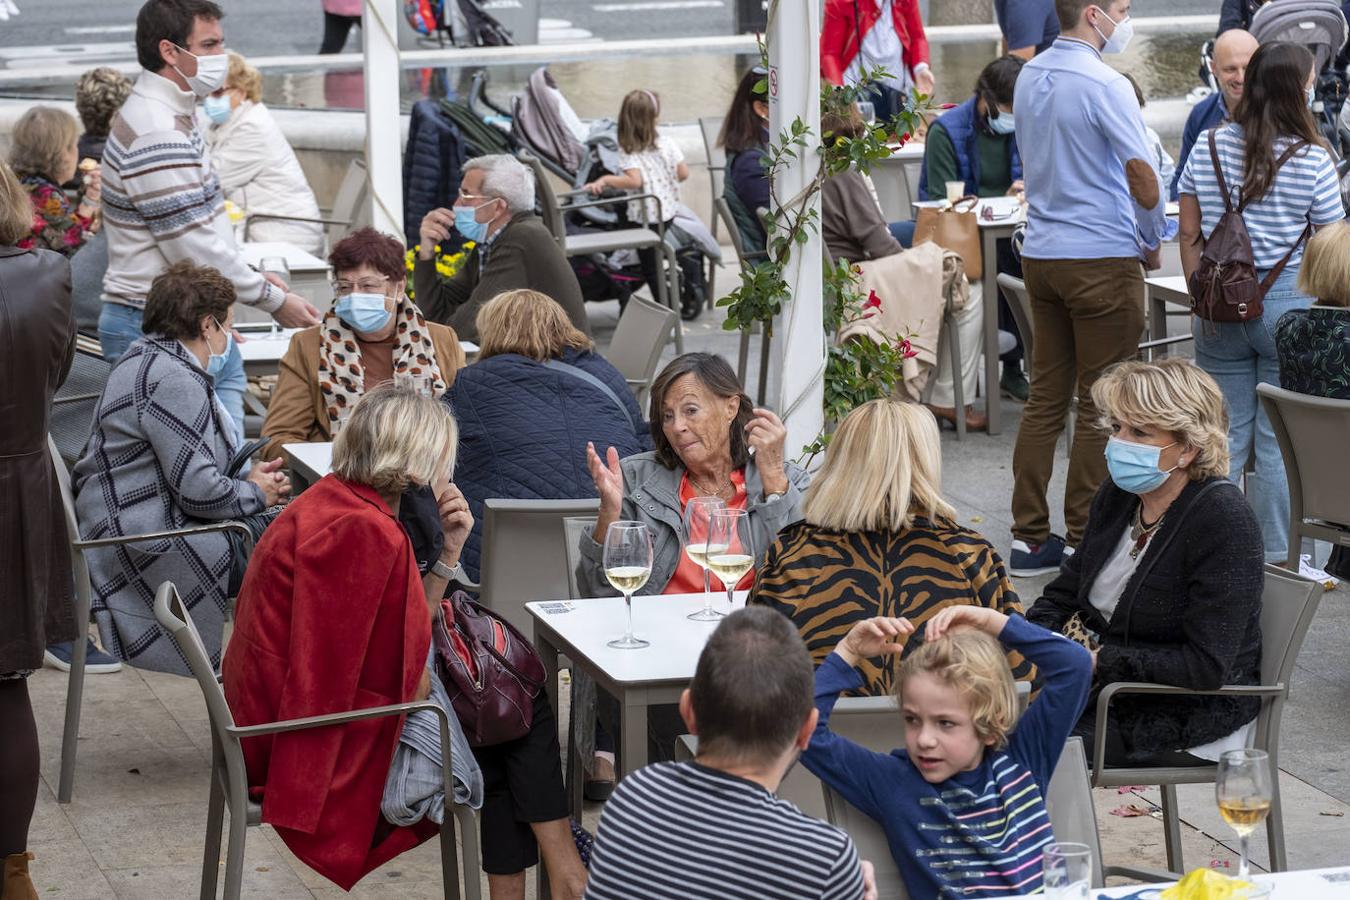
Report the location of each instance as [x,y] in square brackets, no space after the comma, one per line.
[1232,51]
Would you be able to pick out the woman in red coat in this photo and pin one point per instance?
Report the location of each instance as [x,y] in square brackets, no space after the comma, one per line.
[333,615]
[891,35]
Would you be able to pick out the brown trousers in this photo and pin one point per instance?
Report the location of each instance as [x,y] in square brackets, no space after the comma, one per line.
[1086,315]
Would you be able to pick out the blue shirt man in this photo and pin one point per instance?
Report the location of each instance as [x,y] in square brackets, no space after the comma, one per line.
[1232,51]
[1206,114]
[1029,26]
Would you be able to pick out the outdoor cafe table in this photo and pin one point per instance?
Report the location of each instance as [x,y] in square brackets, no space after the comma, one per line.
[1307,884]
[309,275]
[309,462]
[896,179]
[264,346]
[1162,290]
[638,679]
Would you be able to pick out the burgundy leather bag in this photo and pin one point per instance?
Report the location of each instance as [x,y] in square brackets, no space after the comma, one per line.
[1223,287]
[490,671]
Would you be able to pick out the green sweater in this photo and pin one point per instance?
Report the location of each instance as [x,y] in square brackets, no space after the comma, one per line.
[939,158]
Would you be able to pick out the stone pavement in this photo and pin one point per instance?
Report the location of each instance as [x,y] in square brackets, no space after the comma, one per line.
[136,825]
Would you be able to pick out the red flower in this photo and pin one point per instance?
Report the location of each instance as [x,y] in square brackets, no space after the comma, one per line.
[906,351]
[872,301]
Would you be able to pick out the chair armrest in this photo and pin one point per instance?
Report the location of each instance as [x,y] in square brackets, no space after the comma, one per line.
[611,201]
[1109,692]
[355,715]
[637,382]
[276,217]
[163,535]
[74,398]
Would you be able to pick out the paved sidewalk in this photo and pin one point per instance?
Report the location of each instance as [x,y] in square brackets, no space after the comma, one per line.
[136,826]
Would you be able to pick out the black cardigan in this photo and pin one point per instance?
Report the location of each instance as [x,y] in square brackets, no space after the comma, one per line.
[1193,620]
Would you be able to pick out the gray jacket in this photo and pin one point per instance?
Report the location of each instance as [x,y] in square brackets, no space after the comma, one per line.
[652,496]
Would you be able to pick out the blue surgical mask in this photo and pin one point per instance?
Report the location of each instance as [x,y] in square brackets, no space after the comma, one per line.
[364,312]
[217,109]
[467,225]
[1001,123]
[1134,467]
[215,362]
[1311,93]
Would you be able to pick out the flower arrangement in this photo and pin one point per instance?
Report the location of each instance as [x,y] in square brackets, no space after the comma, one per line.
[447,264]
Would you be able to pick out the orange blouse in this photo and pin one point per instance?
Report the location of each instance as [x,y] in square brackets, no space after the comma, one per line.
[688,577]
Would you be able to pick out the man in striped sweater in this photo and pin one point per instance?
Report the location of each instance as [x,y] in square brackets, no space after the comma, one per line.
[712,829]
[162,201]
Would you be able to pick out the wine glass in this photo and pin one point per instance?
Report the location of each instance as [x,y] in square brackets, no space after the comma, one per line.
[731,552]
[1244,791]
[1066,871]
[697,530]
[628,565]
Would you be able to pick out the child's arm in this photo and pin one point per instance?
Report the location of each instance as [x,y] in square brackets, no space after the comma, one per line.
[682,171]
[630,180]
[840,763]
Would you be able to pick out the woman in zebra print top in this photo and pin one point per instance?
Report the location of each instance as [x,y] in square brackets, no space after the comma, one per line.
[878,540]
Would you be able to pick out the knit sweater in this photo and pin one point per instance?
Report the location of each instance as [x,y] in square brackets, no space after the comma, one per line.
[162,201]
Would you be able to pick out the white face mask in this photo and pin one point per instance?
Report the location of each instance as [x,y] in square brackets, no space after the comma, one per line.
[1120,36]
[210,75]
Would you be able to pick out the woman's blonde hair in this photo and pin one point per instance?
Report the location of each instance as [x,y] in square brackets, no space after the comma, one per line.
[1325,270]
[40,140]
[637,121]
[883,467]
[16,209]
[244,77]
[1172,395]
[395,437]
[976,666]
[528,323]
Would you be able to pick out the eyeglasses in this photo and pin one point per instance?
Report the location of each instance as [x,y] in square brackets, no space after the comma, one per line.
[467,196]
[989,215]
[368,286]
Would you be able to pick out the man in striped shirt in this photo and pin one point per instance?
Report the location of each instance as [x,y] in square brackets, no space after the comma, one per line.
[712,828]
[162,200]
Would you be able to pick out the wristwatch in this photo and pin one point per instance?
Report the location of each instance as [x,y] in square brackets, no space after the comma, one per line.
[449,573]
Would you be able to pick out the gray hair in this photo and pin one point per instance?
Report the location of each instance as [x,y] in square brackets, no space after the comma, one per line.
[395,437]
[506,177]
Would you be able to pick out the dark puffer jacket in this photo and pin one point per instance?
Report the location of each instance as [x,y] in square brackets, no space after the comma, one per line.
[431,166]
[523,429]
[1191,617]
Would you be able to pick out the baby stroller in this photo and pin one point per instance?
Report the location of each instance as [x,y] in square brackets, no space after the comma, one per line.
[544,123]
[1320,26]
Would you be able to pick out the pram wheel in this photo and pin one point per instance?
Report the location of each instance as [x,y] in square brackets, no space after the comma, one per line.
[692,299]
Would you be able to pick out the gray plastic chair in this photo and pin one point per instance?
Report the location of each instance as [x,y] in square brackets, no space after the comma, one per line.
[70,735]
[524,530]
[229,780]
[1313,433]
[710,127]
[1288,604]
[350,207]
[573,528]
[641,335]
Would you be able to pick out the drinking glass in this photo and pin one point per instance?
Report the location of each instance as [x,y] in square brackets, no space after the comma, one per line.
[868,112]
[1066,869]
[419,384]
[628,565]
[697,530]
[1243,790]
[731,552]
[955,191]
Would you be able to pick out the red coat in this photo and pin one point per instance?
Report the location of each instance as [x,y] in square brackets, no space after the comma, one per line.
[840,38]
[331,617]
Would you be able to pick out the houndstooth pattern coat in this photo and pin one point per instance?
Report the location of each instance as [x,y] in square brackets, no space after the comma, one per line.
[157,461]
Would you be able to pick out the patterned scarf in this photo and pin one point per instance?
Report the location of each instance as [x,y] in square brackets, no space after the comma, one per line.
[342,377]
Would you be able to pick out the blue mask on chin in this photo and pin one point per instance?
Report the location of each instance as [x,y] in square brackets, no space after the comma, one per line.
[468,226]
[217,109]
[215,362]
[1134,467]
[364,312]
[1001,123]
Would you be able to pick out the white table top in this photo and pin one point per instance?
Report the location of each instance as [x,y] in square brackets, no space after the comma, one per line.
[1308,884]
[313,461]
[297,260]
[676,641]
[262,346]
[1008,210]
[1175,284]
[911,151]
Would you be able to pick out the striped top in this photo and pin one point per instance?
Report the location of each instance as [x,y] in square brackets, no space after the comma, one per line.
[682,831]
[979,833]
[1304,190]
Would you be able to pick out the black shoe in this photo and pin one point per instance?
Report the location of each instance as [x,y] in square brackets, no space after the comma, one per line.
[1013,384]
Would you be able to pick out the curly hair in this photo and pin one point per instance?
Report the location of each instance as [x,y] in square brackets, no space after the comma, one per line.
[368,247]
[99,94]
[244,77]
[974,664]
[184,294]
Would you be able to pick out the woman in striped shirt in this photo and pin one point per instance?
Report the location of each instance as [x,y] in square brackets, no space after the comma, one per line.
[1282,203]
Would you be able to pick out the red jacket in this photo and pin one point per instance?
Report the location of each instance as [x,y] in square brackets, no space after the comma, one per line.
[331,617]
[840,37]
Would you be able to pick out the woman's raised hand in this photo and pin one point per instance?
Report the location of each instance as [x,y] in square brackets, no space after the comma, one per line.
[879,636]
[608,478]
[990,621]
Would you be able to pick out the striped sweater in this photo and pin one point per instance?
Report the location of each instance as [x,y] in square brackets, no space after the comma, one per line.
[162,201]
[979,833]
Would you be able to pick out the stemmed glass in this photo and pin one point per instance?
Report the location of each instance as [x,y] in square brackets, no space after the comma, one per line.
[731,552]
[628,565]
[697,531]
[1244,791]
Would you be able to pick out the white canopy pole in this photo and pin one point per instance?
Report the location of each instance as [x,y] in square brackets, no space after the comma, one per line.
[379,36]
[799,336]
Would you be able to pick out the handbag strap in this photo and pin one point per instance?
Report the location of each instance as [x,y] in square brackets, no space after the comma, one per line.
[580,374]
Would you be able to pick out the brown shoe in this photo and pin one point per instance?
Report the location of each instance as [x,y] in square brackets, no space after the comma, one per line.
[16,884]
[975,421]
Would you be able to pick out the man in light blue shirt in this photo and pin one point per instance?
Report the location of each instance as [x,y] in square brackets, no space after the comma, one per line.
[1095,210]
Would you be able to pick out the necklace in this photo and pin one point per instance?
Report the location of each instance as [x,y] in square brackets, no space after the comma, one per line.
[1140,533]
[714,492]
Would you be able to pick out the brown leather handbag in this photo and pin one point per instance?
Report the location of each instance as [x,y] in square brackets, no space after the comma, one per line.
[955,228]
[490,671]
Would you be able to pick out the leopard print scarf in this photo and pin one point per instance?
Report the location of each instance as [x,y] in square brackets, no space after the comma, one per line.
[342,378]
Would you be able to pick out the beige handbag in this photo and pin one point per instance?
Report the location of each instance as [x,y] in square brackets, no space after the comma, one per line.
[955,228]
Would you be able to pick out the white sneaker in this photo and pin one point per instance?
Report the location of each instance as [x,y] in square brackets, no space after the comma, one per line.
[1312,573]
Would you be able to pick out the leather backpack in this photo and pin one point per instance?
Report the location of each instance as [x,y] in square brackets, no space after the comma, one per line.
[490,671]
[1224,287]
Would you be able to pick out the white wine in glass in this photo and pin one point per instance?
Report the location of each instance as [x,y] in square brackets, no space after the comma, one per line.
[1243,790]
[628,565]
[697,527]
[731,552]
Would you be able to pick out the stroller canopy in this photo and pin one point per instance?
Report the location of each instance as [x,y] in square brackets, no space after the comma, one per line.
[543,120]
[1318,25]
